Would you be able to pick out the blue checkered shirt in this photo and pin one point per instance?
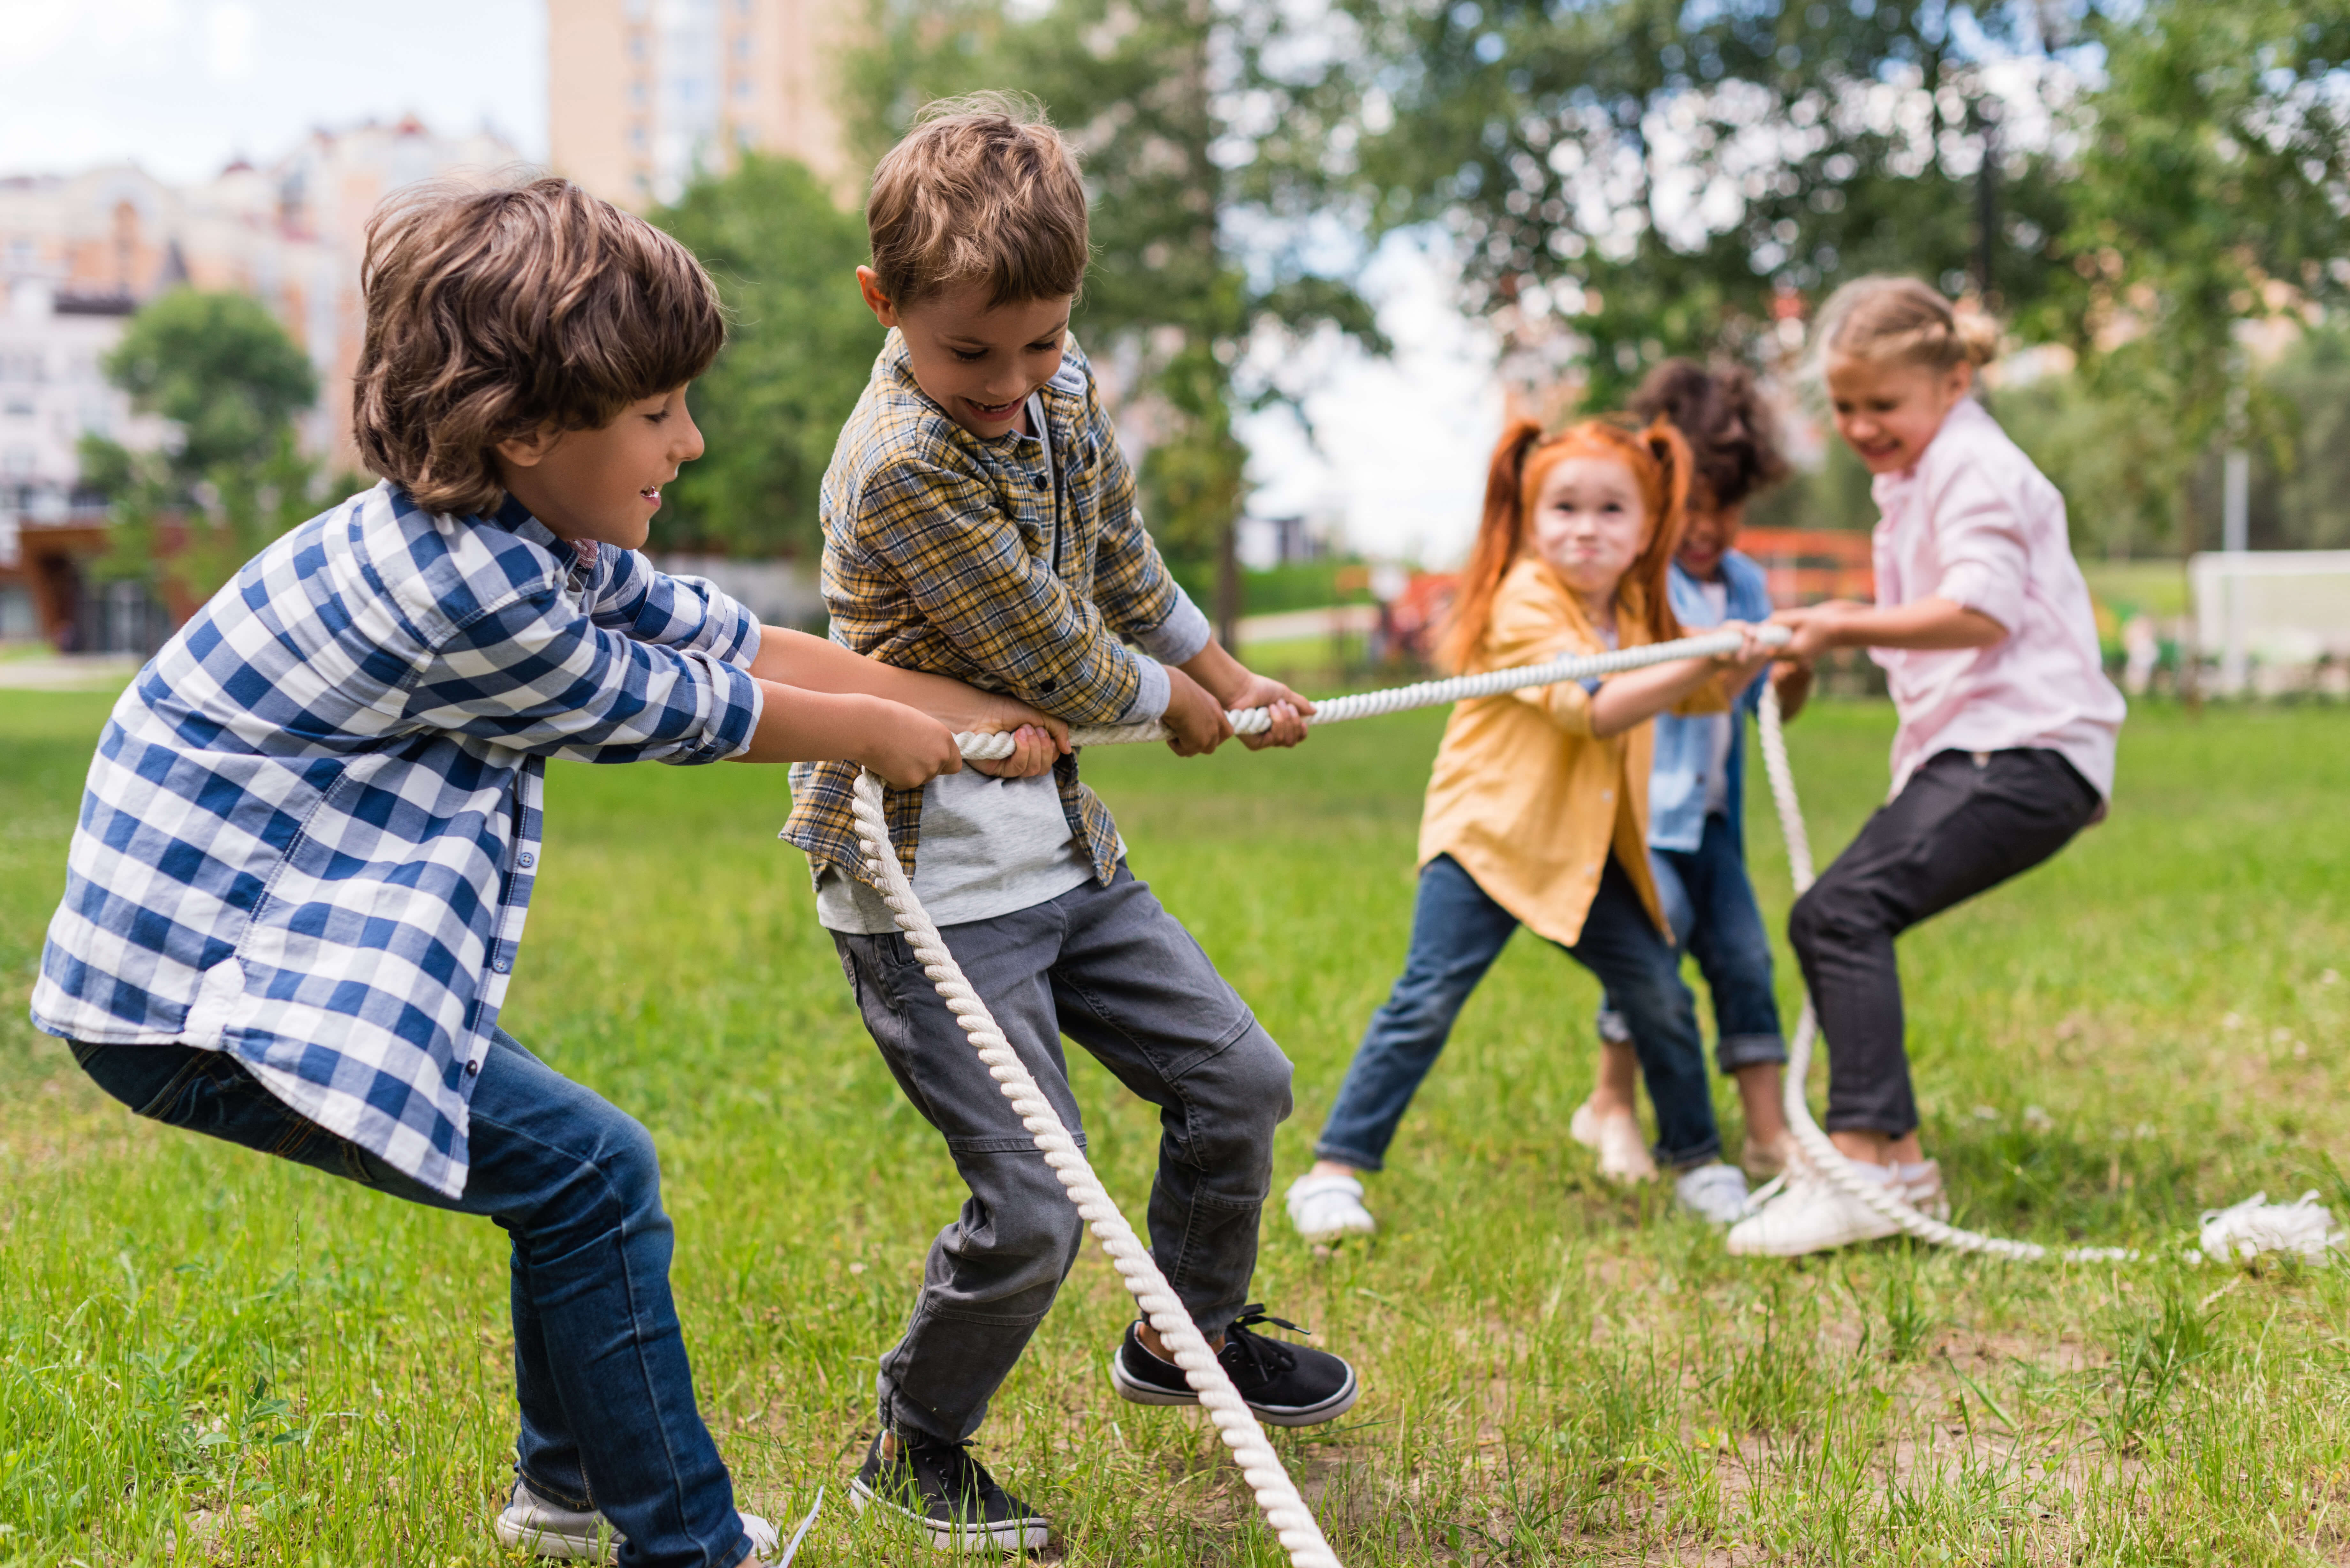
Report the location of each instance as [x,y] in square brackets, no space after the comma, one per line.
[310,833]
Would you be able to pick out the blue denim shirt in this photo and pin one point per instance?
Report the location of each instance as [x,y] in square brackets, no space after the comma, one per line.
[1684,746]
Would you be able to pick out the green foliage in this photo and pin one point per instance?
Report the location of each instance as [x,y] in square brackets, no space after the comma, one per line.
[210,1356]
[221,368]
[798,353]
[1174,297]
[186,517]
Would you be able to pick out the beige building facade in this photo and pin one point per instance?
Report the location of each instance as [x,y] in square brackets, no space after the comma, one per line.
[643,94]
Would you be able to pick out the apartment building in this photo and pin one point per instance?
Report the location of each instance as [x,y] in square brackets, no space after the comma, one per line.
[641,94]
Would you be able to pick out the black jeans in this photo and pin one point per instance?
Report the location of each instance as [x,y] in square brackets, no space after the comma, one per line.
[1964,822]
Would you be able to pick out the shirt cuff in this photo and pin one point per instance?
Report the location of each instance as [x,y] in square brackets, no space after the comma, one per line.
[1149,702]
[1971,584]
[1178,638]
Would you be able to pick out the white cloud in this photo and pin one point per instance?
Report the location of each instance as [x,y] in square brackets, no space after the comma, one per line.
[32,30]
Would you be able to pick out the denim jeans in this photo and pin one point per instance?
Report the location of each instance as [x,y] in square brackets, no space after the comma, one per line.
[1116,973]
[608,1419]
[1965,822]
[1711,906]
[1457,932]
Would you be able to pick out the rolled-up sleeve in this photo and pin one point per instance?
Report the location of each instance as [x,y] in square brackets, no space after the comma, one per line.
[640,601]
[1521,632]
[541,676]
[1979,538]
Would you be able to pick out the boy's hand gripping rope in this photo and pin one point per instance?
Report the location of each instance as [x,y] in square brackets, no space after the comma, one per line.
[2245,1230]
[1301,1537]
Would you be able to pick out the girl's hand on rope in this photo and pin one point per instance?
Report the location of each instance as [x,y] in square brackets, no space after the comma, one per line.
[1741,666]
[1289,710]
[1195,721]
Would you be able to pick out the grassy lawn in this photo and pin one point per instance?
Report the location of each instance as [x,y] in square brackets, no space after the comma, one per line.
[207,1356]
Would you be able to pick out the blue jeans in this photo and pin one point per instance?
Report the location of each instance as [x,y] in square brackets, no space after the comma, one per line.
[1457,932]
[1711,906]
[609,1419]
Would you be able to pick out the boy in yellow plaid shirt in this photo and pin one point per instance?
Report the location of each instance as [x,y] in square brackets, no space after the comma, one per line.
[979,521]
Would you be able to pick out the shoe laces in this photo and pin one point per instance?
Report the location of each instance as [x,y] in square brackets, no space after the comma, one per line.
[957,1469]
[1265,1357]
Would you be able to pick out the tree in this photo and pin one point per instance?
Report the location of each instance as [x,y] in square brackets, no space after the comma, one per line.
[1630,178]
[228,377]
[1189,269]
[799,350]
[2213,193]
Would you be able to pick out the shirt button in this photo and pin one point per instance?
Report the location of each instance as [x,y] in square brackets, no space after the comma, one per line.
[472,1068]
[1606,795]
[526,860]
[501,965]
[1042,483]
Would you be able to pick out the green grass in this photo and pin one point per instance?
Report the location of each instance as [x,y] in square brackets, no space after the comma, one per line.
[208,1352]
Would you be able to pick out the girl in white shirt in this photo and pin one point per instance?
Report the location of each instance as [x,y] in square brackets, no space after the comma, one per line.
[2005,750]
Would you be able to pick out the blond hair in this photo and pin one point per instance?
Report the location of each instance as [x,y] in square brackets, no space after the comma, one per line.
[983,190]
[492,312]
[1902,318]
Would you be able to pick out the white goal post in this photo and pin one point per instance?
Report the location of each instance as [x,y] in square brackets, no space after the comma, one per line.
[2267,616]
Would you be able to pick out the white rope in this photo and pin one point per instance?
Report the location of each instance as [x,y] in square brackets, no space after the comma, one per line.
[1425,694]
[1301,1537]
[2243,1231]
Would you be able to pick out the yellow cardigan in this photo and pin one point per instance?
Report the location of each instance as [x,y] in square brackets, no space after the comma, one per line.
[1525,796]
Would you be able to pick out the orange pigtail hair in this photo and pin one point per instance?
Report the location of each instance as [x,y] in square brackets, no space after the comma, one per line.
[1500,536]
[1652,569]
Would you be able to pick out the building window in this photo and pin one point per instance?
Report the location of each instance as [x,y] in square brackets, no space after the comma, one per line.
[741,86]
[742,45]
[638,92]
[17,408]
[637,48]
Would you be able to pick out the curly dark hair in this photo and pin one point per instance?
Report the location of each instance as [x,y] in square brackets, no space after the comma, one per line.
[1732,434]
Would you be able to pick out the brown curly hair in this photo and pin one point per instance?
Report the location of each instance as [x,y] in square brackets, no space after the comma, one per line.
[1732,434]
[494,312]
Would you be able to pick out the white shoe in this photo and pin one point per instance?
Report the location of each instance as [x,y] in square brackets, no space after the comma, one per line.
[1809,1215]
[1622,1156]
[1715,1192]
[1765,1160]
[1922,1186]
[545,1528]
[1328,1207]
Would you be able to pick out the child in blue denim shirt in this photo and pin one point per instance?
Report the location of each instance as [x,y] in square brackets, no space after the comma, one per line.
[1696,841]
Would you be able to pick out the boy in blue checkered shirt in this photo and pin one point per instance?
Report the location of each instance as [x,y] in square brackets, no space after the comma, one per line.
[311,830]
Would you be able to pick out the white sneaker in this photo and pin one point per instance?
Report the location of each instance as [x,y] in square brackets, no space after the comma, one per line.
[545,1528]
[1622,1156]
[1715,1192]
[1328,1207]
[1922,1186]
[1809,1215]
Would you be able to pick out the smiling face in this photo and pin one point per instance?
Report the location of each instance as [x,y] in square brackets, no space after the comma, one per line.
[1589,523]
[1888,410]
[1709,531]
[977,362]
[603,484]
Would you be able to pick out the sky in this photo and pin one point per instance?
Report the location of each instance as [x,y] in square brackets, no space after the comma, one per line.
[182,86]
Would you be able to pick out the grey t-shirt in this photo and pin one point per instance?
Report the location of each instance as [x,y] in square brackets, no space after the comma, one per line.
[991,846]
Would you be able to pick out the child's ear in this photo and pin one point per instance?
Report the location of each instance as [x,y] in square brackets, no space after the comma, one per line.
[530,450]
[869,284]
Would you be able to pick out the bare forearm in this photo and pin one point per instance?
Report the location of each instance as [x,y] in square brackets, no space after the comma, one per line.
[798,726]
[816,664]
[1631,699]
[1794,688]
[1214,668]
[1928,623]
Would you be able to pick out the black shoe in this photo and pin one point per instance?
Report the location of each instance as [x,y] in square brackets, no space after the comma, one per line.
[942,1488]
[1286,1385]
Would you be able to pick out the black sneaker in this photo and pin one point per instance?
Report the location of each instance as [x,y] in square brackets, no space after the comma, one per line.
[942,1488]
[1286,1385]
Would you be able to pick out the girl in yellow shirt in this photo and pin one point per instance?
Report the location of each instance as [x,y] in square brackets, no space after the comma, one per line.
[1537,813]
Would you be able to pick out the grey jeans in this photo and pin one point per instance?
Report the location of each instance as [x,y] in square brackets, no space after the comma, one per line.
[1119,975]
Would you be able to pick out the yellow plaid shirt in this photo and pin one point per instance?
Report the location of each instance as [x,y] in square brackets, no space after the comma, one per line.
[975,558]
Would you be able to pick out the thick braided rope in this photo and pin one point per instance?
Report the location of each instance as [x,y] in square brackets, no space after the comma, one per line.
[1425,694]
[1301,1537]
[1819,1152]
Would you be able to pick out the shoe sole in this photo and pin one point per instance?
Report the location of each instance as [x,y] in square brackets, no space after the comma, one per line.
[602,1547]
[1131,1388]
[1335,1234]
[1029,1534]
